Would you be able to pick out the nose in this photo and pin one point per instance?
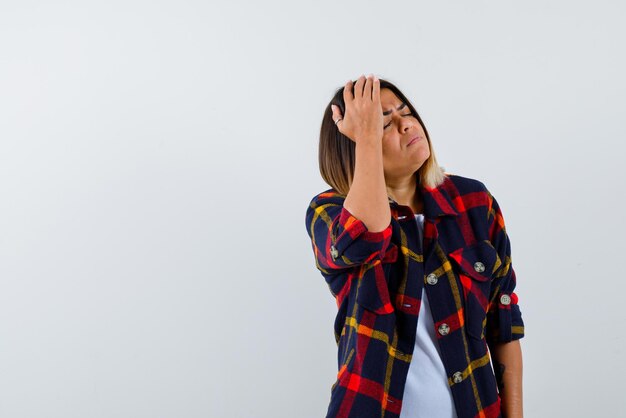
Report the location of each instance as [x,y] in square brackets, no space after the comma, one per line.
[405,124]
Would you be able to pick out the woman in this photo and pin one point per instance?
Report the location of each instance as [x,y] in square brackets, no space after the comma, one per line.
[420,265]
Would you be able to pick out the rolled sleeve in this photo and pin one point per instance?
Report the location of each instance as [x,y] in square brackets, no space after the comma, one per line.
[504,317]
[339,239]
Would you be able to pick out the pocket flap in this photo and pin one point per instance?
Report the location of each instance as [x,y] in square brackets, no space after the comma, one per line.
[478,260]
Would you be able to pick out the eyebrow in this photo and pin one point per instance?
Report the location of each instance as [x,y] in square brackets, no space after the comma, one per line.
[388,112]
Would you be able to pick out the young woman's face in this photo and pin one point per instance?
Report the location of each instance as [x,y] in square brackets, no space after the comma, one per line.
[405,147]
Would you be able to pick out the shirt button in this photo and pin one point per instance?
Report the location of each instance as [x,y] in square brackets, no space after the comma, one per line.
[333,252]
[505,299]
[444,329]
[432,279]
[457,377]
[479,267]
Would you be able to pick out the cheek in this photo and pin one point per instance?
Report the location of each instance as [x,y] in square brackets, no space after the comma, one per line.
[388,151]
[392,155]
[391,143]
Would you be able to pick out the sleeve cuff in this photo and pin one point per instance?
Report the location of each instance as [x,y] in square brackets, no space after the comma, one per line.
[355,243]
[510,325]
[356,227]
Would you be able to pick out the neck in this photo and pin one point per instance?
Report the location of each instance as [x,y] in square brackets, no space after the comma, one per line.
[404,191]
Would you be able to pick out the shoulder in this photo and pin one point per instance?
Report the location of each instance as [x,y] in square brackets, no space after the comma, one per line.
[464,184]
[328,196]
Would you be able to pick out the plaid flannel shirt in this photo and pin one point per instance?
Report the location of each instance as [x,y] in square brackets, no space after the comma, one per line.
[377,279]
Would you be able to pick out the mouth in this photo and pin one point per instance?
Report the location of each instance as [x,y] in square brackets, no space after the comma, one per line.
[414,140]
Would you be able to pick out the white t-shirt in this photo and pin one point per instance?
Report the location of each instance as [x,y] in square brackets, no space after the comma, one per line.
[426,393]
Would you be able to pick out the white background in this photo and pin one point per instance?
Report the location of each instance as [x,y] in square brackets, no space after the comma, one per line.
[157,159]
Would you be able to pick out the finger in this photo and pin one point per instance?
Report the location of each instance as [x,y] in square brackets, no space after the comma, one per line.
[348,97]
[336,112]
[336,116]
[367,90]
[358,87]
[376,91]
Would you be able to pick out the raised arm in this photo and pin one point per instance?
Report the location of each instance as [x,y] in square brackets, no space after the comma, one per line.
[363,123]
[354,229]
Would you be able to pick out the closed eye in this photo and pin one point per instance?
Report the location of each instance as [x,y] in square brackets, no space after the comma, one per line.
[408,114]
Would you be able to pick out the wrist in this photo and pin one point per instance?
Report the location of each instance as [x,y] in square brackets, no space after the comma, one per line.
[369,143]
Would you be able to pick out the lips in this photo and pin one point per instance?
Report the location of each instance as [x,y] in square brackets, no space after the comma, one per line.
[417,138]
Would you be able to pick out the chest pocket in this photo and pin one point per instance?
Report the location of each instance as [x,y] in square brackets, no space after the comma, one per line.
[373,284]
[474,266]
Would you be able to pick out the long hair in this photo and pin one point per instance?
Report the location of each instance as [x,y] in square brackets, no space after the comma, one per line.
[337,151]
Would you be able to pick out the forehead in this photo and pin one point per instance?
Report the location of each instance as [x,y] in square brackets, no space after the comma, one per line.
[387,97]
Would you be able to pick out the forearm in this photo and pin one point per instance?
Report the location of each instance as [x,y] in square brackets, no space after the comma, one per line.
[367,199]
[507,362]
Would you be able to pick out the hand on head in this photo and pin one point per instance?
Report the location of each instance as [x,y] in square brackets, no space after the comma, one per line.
[363,119]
